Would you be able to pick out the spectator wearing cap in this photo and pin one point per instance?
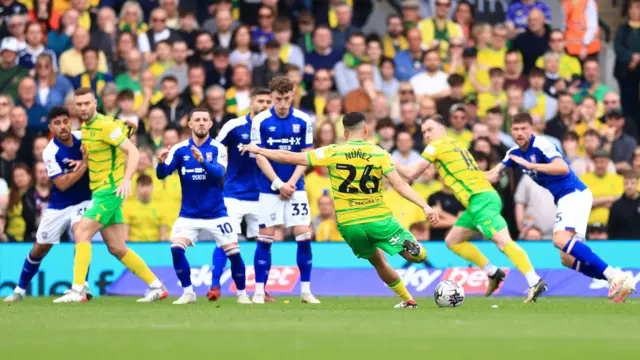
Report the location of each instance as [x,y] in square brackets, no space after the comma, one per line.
[91,78]
[345,71]
[71,61]
[409,62]
[437,31]
[289,53]
[360,99]
[158,32]
[36,114]
[533,201]
[343,29]
[513,75]
[315,101]
[605,187]
[433,81]
[611,102]
[394,40]
[518,14]
[627,48]
[591,85]
[618,143]
[408,123]
[238,97]
[569,68]
[581,28]
[458,129]
[10,72]
[272,67]
[224,28]
[264,31]
[534,41]
[496,96]
[179,68]
[564,119]
[624,215]
[323,55]
[410,13]
[536,101]
[35,47]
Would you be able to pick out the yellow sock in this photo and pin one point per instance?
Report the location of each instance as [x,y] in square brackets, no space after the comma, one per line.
[81,262]
[137,266]
[401,290]
[518,257]
[470,252]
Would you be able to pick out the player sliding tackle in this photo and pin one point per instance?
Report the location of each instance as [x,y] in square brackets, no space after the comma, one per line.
[541,160]
[70,195]
[364,221]
[106,144]
[202,163]
[459,171]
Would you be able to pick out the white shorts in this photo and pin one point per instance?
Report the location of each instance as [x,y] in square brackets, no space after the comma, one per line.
[221,230]
[243,209]
[293,212]
[573,212]
[55,222]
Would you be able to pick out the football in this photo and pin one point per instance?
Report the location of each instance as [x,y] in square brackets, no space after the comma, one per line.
[448,294]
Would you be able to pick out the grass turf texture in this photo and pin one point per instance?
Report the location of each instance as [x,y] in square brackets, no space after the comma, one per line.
[339,328]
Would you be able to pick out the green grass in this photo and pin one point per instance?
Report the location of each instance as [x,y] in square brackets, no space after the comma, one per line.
[117,328]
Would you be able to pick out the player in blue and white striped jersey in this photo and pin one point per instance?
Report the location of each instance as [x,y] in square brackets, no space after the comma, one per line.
[283,200]
[542,161]
[201,163]
[240,184]
[70,195]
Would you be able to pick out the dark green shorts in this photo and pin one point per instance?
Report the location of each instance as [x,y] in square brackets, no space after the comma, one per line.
[483,214]
[386,234]
[105,208]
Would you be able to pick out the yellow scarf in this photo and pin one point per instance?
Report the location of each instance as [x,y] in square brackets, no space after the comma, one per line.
[389,48]
[333,18]
[285,50]
[85,81]
[84,20]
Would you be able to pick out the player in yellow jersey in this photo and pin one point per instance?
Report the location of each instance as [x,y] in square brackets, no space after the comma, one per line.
[364,221]
[106,144]
[459,171]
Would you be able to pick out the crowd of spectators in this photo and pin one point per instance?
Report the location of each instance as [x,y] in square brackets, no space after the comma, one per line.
[154,61]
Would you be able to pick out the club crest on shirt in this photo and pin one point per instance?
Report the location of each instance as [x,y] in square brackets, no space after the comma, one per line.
[533,158]
[209,156]
[295,128]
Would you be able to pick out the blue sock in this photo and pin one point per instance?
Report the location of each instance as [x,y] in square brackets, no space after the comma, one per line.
[304,260]
[585,255]
[219,262]
[181,265]
[588,270]
[29,270]
[262,261]
[238,271]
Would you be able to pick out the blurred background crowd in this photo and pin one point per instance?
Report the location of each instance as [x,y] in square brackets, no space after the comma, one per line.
[399,61]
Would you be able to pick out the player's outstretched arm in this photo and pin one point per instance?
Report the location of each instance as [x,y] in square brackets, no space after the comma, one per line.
[408,193]
[414,170]
[557,166]
[281,156]
[133,156]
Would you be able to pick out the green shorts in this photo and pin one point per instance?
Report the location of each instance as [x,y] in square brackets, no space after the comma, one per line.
[364,238]
[483,214]
[105,208]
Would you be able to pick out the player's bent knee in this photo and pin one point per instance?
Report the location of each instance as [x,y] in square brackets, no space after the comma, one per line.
[562,238]
[40,250]
[567,260]
[119,250]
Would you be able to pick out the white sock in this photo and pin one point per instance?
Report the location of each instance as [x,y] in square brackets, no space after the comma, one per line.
[156,283]
[305,287]
[610,272]
[77,288]
[532,278]
[20,291]
[242,292]
[188,289]
[259,288]
[490,269]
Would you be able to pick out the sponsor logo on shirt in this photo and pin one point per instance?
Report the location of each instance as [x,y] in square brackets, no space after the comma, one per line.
[115,134]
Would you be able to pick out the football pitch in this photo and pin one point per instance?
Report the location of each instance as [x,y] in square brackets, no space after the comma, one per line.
[339,328]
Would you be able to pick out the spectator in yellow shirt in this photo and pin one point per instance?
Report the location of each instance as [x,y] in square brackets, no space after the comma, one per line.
[496,96]
[458,129]
[605,187]
[143,216]
[70,62]
[588,120]
[569,67]
[324,225]
[437,31]
[163,58]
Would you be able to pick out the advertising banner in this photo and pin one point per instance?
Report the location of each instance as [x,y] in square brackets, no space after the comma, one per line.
[284,280]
